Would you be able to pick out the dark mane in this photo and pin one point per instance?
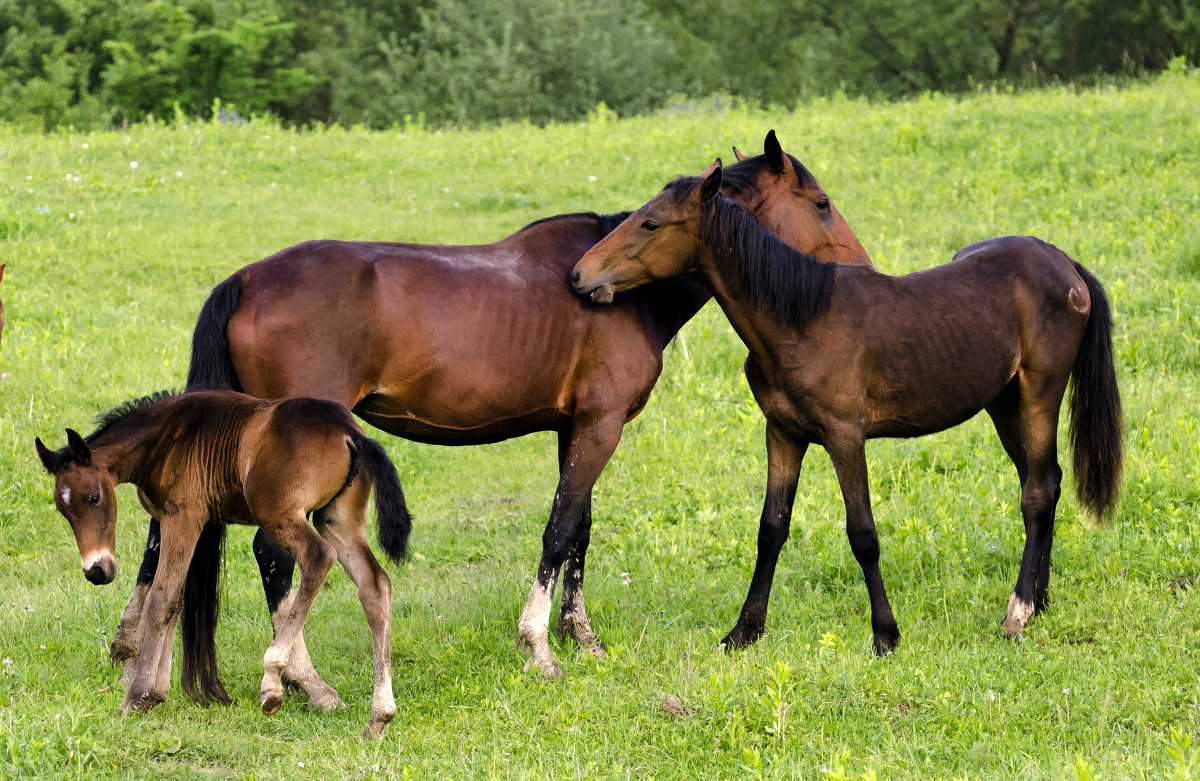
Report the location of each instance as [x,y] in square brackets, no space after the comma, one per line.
[740,176]
[108,419]
[793,285]
[606,222]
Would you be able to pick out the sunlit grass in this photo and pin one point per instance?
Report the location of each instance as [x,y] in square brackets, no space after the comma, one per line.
[108,264]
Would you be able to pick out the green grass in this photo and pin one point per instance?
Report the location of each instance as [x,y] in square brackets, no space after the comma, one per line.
[1105,684]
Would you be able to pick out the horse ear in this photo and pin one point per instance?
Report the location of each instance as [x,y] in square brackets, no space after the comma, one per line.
[712,181]
[2,267]
[79,448]
[49,458]
[738,154]
[774,152]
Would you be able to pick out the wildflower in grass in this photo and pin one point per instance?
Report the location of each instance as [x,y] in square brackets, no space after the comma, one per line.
[625,578]
[591,178]
[133,164]
[179,173]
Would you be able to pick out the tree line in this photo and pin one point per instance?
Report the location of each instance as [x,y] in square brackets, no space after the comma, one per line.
[98,63]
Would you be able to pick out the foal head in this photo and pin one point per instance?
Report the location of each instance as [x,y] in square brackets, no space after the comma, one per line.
[84,492]
[789,202]
[658,241]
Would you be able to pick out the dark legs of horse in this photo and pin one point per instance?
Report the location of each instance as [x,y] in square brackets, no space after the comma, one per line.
[275,566]
[850,463]
[1036,421]
[127,643]
[150,681]
[784,459]
[591,445]
[573,620]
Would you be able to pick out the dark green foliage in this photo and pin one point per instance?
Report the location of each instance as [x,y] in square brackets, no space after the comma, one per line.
[376,62]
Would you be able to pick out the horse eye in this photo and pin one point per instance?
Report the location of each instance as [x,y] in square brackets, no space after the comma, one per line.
[823,204]
[650,225]
[94,500]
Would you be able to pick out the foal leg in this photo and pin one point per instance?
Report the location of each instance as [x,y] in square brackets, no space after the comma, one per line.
[148,687]
[275,567]
[343,524]
[315,557]
[850,463]
[592,444]
[1039,497]
[784,459]
[124,648]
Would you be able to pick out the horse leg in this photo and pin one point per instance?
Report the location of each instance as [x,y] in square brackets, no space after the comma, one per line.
[275,567]
[592,444]
[572,615]
[315,557]
[785,456]
[343,524]
[147,687]
[124,648]
[850,464]
[1039,497]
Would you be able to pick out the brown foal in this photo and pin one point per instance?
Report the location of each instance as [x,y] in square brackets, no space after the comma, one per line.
[839,355]
[216,456]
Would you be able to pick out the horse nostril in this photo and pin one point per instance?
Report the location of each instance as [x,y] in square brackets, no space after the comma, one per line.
[574,277]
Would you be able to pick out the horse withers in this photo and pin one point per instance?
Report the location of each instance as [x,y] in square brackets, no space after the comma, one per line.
[840,355]
[207,457]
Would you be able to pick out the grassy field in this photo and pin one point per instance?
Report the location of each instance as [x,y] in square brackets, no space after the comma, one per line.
[113,241]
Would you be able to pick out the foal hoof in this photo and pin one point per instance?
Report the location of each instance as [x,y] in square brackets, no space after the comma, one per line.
[325,701]
[139,703]
[271,702]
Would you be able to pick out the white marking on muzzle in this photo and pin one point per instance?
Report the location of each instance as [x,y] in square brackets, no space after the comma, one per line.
[95,558]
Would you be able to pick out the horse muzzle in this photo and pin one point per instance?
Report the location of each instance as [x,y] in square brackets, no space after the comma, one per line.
[101,570]
[596,293]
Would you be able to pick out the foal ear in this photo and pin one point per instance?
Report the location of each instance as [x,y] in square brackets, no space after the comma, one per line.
[79,448]
[712,181]
[774,152]
[49,458]
[738,154]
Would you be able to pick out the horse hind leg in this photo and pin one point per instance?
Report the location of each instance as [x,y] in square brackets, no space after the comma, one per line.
[1037,424]
[315,557]
[343,524]
[276,566]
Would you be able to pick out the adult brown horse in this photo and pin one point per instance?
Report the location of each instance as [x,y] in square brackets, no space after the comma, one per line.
[839,355]
[460,345]
[211,456]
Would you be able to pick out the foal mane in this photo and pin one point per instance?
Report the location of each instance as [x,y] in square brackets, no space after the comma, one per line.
[792,285]
[118,413]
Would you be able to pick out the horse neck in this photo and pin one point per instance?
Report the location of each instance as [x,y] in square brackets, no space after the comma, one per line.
[126,445]
[667,305]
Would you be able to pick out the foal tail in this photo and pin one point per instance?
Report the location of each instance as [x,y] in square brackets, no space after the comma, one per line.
[201,604]
[212,366]
[392,521]
[1097,428]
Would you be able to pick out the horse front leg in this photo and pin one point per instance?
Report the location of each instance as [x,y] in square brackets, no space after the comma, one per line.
[275,566]
[785,456]
[850,464]
[573,620]
[125,644]
[591,446]
[147,686]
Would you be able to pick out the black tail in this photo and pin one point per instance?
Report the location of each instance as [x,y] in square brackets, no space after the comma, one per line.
[201,604]
[392,520]
[1097,427]
[212,366]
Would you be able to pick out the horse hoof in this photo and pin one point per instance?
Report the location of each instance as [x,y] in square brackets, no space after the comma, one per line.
[138,703]
[548,668]
[598,650]
[740,637]
[325,702]
[271,702]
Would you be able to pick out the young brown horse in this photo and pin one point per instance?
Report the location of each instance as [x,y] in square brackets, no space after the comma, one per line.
[211,456]
[458,345]
[839,355]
